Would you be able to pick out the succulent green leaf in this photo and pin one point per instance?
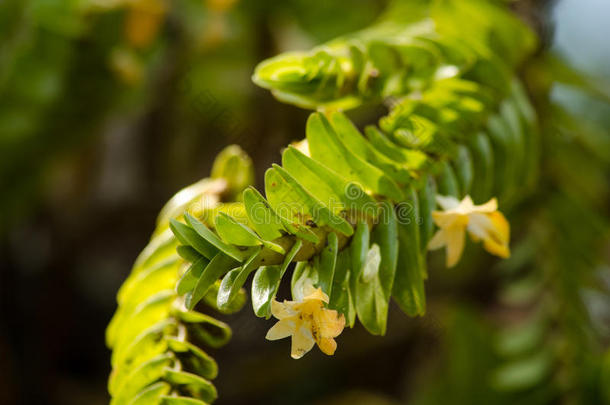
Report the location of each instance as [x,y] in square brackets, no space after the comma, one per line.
[262,217]
[320,213]
[203,329]
[135,320]
[193,359]
[319,183]
[204,232]
[196,386]
[464,170]
[145,374]
[325,265]
[189,237]
[191,276]
[360,146]
[327,185]
[289,206]
[385,235]
[234,233]
[503,146]
[427,204]
[512,120]
[146,345]
[408,290]
[235,167]
[234,306]
[412,159]
[234,280]
[447,181]
[188,253]
[359,248]
[326,147]
[265,284]
[152,394]
[371,305]
[312,79]
[483,168]
[341,298]
[267,281]
[148,281]
[374,288]
[161,247]
[217,267]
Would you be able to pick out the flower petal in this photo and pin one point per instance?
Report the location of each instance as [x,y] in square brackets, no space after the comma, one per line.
[447,202]
[497,249]
[329,322]
[302,342]
[438,240]
[282,310]
[497,242]
[327,346]
[466,206]
[500,226]
[488,207]
[455,244]
[444,219]
[315,294]
[281,330]
[494,230]
[479,226]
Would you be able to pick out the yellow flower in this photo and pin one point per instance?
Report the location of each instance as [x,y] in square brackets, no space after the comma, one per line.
[308,322]
[144,19]
[483,222]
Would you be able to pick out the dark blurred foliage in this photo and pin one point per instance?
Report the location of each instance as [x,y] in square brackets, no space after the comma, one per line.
[108,109]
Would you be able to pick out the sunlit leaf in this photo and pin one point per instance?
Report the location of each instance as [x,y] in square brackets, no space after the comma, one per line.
[217,267]
[267,281]
[205,233]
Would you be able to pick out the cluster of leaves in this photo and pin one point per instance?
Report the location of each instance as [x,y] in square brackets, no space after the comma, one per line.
[156,340]
[417,43]
[548,342]
[556,352]
[354,212]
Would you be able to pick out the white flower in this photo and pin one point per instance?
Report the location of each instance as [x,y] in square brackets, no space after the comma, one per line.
[308,322]
[483,222]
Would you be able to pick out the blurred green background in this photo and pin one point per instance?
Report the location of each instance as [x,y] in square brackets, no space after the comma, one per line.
[108,107]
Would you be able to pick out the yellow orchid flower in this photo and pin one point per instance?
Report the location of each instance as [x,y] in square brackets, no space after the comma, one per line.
[483,222]
[308,322]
